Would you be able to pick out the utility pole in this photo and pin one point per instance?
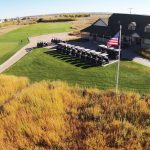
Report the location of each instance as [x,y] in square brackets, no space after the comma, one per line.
[130,10]
[118,68]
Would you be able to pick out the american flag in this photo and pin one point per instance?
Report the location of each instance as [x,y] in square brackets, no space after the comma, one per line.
[114,41]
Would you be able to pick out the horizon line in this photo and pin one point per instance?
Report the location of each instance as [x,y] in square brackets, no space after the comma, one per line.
[46,14]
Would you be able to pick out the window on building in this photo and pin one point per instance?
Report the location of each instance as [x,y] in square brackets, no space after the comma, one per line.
[147,28]
[132,26]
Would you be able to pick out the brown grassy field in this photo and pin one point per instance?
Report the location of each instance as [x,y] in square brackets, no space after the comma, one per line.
[78,23]
[82,23]
[53,115]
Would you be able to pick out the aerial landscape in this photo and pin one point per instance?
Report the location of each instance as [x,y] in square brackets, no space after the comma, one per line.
[74,75]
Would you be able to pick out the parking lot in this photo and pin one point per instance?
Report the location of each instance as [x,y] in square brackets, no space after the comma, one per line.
[127,54]
[90,52]
[93,46]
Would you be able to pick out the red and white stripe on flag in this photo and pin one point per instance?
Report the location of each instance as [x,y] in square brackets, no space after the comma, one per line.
[113,41]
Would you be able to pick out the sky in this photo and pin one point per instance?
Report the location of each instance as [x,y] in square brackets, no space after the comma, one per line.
[19,8]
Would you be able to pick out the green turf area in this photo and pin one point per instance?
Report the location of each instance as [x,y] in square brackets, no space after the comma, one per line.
[41,65]
[11,42]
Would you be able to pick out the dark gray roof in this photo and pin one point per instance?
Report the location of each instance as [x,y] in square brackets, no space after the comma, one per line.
[97,30]
[101,30]
[124,19]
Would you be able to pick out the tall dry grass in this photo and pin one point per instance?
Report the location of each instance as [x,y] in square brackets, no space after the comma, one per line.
[10,85]
[53,115]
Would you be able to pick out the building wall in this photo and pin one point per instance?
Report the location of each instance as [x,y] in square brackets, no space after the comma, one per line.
[145,43]
[103,40]
[85,35]
[95,37]
[126,39]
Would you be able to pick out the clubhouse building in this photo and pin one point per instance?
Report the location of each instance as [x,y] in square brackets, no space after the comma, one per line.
[135,29]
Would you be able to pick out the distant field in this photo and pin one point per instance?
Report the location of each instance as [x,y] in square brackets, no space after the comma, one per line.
[39,65]
[11,42]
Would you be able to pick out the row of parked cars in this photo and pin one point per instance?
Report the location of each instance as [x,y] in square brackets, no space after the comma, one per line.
[101,56]
[113,53]
[91,56]
[56,41]
[44,44]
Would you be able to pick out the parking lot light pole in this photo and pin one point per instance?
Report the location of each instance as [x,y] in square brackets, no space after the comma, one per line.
[118,67]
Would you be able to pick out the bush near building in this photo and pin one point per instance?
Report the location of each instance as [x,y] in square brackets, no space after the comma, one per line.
[144,52]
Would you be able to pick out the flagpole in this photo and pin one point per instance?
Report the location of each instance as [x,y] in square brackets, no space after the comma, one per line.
[118,67]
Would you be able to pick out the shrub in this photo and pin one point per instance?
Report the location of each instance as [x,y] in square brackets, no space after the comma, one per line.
[144,52]
[53,115]
[55,20]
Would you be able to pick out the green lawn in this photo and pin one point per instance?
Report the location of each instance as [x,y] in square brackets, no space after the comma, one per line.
[42,66]
[11,42]
[39,65]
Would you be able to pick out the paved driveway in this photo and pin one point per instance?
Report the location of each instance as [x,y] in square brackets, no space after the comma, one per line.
[128,53]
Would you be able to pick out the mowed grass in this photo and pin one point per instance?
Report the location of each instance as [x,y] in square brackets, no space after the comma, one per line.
[43,65]
[11,42]
[6,47]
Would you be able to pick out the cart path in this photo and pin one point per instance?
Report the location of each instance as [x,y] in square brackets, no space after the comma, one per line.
[142,61]
[16,57]
[32,43]
[128,53]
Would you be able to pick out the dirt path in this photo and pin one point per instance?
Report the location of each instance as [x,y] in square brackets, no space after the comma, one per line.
[33,42]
